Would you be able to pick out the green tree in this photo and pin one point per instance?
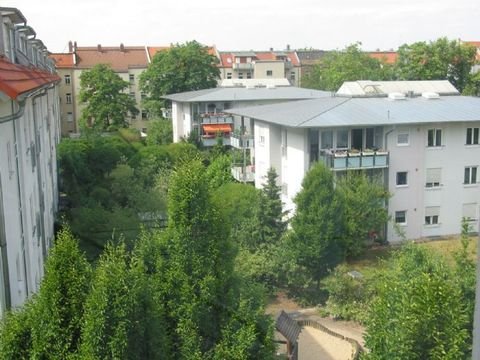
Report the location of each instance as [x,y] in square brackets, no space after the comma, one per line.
[160,132]
[59,305]
[109,306]
[16,334]
[363,210]
[419,312]
[219,171]
[441,59]
[350,64]
[315,243]
[183,67]
[107,103]
[473,86]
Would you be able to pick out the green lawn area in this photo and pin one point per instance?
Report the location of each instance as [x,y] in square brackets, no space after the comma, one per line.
[372,258]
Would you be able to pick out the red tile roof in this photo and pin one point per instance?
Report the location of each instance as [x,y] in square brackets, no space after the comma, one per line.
[119,60]
[64,60]
[18,79]
[390,57]
[474,43]
[152,50]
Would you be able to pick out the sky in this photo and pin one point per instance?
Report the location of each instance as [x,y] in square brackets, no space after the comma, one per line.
[249,24]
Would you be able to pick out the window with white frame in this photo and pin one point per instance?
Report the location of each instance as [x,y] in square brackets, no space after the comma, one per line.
[432,214]
[67,79]
[292,75]
[403,138]
[470,175]
[472,136]
[240,75]
[469,211]
[434,137]
[269,73]
[401,217]
[68,98]
[249,75]
[69,117]
[131,77]
[229,75]
[402,178]
[433,177]
[327,139]
[342,139]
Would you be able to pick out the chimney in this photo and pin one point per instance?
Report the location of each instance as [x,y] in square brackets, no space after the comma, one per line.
[271,49]
[74,46]
[288,47]
[122,48]
[99,48]
[70,46]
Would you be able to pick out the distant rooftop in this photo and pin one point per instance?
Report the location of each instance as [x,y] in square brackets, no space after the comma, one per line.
[369,88]
[254,82]
[247,94]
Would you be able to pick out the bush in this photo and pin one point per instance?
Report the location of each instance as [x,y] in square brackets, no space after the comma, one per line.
[130,134]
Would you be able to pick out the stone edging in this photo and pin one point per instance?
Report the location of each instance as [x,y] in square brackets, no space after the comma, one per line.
[357,349]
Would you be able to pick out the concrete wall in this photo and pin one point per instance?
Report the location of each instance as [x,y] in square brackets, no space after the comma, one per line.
[261,68]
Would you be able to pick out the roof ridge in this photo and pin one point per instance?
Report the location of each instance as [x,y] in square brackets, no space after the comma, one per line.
[323,112]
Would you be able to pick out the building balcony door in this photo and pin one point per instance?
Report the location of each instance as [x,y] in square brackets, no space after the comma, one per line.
[357,139]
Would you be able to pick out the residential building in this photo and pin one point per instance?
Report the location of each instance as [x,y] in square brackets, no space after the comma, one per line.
[29,134]
[260,64]
[308,59]
[425,146]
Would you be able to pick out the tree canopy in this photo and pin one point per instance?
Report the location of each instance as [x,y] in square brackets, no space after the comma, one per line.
[107,103]
[436,60]
[183,67]
[350,64]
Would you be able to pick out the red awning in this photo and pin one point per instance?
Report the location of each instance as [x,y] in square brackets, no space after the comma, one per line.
[18,79]
[214,128]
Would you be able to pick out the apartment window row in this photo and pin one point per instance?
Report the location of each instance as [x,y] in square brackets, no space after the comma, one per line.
[434,137]
[433,177]
[432,214]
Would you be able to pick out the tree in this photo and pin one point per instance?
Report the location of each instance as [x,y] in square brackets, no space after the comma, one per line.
[183,67]
[315,244]
[419,311]
[219,171]
[362,209]
[160,132]
[473,86]
[107,103]
[350,64]
[437,60]
[16,334]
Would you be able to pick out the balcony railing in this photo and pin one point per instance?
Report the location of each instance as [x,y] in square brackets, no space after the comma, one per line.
[241,141]
[242,174]
[348,160]
[242,66]
[215,118]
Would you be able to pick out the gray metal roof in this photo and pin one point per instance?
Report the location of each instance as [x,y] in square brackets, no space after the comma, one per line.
[342,111]
[367,87]
[246,94]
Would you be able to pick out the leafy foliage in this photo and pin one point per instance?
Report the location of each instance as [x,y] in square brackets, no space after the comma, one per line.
[350,64]
[160,132]
[102,90]
[419,312]
[16,334]
[183,67]
[436,60]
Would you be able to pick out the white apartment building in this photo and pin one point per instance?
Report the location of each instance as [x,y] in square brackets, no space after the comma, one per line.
[29,134]
[426,147]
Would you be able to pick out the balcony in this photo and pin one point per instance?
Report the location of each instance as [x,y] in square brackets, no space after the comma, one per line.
[242,174]
[354,160]
[241,141]
[243,66]
[215,118]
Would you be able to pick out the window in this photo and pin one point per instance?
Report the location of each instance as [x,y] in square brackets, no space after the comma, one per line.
[144,130]
[229,75]
[342,139]
[269,73]
[69,117]
[431,215]
[292,75]
[434,137]
[469,211]
[68,98]
[433,177]
[402,178]
[327,139]
[470,176]
[144,115]
[472,136]
[401,217]
[240,75]
[131,77]
[143,96]
[262,140]
[403,138]
[132,95]
[67,79]
[249,75]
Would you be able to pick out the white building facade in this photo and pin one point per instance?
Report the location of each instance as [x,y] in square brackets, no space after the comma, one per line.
[29,134]
[426,149]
